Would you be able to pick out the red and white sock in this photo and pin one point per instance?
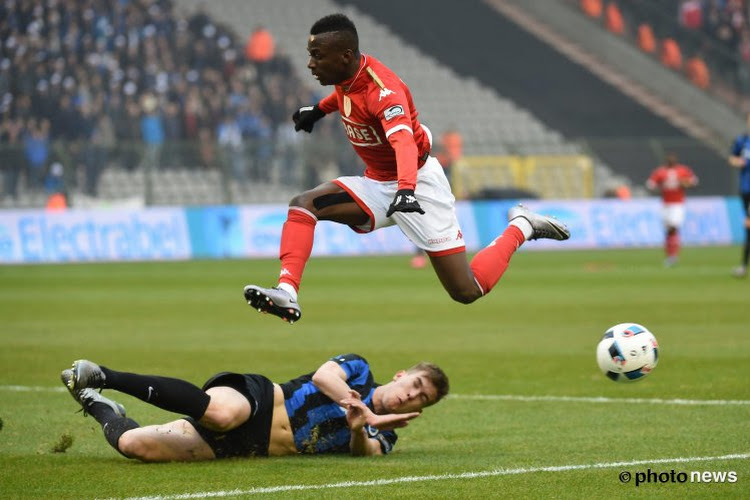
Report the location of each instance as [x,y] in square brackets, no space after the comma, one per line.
[672,245]
[491,262]
[297,237]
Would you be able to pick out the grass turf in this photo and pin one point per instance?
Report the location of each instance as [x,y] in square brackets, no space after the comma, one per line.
[534,335]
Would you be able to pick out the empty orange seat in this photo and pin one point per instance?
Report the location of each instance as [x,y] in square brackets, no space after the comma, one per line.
[613,19]
[671,55]
[697,72]
[646,40]
[592,8]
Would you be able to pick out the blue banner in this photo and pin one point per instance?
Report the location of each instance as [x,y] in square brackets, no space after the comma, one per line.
[35,236]
[31,236]
[636,223]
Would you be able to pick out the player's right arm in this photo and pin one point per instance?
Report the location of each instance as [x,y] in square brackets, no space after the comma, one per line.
[331,379]
[329,103]
[736,161]
[653,181]
[306,116]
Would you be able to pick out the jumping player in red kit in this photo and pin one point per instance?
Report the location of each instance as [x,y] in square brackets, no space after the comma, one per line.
[671,179]
[402,183]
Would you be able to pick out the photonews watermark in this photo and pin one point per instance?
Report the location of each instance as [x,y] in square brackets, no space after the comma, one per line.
[673,476]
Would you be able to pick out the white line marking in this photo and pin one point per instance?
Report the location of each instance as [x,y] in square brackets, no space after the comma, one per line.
[581,399]
[26,388]
[506,397]
[439,477]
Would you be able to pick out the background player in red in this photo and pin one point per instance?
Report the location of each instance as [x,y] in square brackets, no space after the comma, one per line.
[402,183]
[671,180]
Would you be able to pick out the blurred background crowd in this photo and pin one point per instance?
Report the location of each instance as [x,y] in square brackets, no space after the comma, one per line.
[90,88]
[136,84]
[703,38]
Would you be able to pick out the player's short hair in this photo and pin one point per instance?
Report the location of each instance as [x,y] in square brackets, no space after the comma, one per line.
[338,23]
[434,374]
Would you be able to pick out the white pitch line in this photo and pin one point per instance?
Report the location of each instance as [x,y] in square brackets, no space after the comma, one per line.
[505,397]
[27,388]
[582,399]
[437,477]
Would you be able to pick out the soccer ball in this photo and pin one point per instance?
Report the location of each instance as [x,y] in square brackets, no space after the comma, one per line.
[627,352]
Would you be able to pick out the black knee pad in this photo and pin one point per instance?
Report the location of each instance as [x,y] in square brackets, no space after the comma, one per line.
[330,199]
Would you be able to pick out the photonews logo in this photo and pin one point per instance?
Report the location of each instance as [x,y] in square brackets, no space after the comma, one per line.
[672,476]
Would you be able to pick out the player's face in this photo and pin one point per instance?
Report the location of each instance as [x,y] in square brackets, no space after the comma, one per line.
[408,392]
[329,62]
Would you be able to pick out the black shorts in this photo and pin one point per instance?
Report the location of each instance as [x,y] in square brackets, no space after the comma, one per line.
[251,438]
[746,203]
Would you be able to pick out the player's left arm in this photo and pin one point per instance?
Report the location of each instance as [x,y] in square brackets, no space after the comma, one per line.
[395,117]
[361,419]
[360,443]
[689,179]
[405,201]
[331,378]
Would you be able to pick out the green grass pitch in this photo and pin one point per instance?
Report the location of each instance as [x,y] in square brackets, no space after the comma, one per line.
[534,335]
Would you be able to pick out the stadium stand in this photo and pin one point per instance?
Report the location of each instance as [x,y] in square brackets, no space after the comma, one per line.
[490,124]
[137,101]
[161,102]
[711,34]
[629,135]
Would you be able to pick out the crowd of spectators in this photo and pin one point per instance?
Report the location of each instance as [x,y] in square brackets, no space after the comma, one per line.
[705,39]
[87,83]
[727,22]
[722,20]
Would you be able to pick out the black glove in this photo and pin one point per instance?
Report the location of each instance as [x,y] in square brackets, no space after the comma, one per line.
[305,117]
[404,202]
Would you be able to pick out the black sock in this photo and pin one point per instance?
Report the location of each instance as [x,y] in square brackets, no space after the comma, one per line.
[167,393]
[113,425]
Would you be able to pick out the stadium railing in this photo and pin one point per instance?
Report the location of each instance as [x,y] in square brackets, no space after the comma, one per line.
[544,176]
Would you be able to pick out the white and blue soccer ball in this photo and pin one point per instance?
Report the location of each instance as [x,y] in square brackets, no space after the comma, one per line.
[627,352]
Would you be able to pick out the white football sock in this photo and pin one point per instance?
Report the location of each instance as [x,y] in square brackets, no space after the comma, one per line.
[288,289]
[524,225]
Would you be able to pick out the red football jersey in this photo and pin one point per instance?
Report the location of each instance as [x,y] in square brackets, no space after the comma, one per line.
[375,104]
[670,181]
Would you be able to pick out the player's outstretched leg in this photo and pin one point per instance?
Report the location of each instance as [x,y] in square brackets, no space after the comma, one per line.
[88,397]
[84,374]
[466,282]
[167,393]
[542,226]
[273,301]
[741,271]
[110,414]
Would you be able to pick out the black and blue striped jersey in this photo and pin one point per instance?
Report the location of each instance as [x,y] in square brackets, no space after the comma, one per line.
[318,423]
[741,147]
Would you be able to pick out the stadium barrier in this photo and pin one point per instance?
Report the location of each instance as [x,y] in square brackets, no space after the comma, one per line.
[248,231]
[548,176]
